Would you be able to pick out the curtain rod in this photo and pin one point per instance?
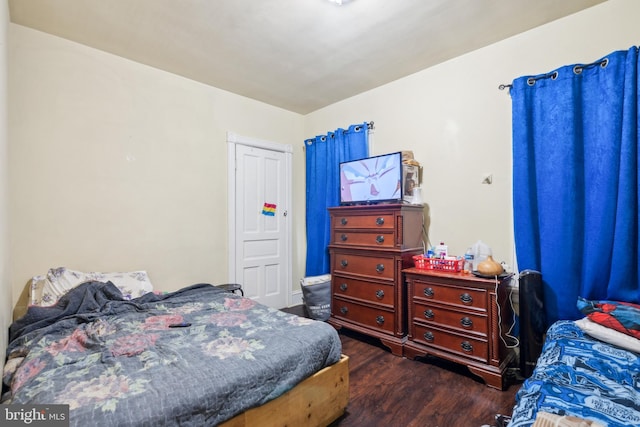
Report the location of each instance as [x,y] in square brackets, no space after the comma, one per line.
[370,126]
[577,69]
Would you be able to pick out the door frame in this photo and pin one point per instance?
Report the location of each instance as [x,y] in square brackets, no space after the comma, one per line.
[233,140]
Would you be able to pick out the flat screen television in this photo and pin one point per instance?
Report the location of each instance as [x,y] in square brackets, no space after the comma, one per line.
[371,180]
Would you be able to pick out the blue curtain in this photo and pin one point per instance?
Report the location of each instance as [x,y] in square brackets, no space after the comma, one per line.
[575,181]
[323,156]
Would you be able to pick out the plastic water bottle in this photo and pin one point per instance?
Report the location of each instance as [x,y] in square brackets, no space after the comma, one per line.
[468,261]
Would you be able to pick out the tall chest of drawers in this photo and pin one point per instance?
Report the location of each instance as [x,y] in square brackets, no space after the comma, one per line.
[461,318]
[370,245]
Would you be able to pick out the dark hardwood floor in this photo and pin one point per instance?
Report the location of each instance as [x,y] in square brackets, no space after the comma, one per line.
[387,390]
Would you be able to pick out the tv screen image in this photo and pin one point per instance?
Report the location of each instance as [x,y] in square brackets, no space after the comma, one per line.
[371,180]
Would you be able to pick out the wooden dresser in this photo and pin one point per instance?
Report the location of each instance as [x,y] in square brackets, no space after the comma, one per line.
[370,245]
[459,317]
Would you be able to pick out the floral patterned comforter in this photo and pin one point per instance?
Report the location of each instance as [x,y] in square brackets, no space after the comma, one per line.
[194,357]
[583,377]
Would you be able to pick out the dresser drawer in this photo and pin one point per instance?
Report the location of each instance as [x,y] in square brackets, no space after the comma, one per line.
[374,292]
[371,317]
[379,267]
[471,323]
[458,296]
[433,336]
[378,239]
[382,221]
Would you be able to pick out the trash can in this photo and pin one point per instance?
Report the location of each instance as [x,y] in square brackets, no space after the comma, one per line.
[316,296]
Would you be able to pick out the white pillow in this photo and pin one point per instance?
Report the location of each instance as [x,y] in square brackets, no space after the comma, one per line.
[132,284]
[608,335]
[36,289]
[46,290]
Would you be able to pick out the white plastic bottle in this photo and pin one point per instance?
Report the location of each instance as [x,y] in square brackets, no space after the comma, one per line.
[441,250]
[468,260]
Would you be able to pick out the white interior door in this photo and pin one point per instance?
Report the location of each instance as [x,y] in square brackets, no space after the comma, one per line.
[261,258]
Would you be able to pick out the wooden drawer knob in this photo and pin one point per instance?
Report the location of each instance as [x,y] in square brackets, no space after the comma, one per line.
[466,346]
[343,287]
[343,221]
[380,268]
[379,294]
[380,239]
[380,221]
[429,314]
[344,263]
[344,309]
[380,320]
[428,336]
[344,237]
[428,292]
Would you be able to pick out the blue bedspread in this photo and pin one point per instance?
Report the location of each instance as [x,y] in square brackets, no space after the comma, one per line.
[581,376]
[118,362]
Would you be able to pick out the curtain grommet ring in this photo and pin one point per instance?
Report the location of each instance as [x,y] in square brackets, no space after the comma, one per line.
[604,63]
[531,81]
[554,75]
[577,69]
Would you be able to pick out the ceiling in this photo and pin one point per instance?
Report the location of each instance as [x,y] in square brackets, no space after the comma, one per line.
[300,55]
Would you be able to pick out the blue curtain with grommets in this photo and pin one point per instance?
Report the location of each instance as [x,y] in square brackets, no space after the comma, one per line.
[575,181]
[323,156]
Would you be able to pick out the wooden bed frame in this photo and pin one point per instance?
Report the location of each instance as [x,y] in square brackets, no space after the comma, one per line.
[317,401]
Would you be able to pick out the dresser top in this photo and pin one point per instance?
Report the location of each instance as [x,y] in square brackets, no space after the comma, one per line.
[373,207]
[453,275]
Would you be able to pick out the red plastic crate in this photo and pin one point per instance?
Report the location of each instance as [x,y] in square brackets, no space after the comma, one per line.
[441,264]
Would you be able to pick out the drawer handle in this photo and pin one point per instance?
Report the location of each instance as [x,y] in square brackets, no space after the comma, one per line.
[344,263]
[343,221]
[466,346]
[344,310]
[466,322]
[344,237]
[380,268]
[379,294]
[380,220]
[343,287]
[380,320]
[428,336]
[466,298]
[428,292]
[380,239]
[429,314]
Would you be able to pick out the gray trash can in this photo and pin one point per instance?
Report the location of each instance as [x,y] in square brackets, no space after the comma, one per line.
[316,296]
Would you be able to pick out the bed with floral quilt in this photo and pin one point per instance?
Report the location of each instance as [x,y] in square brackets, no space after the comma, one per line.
[588,373]
[198,356]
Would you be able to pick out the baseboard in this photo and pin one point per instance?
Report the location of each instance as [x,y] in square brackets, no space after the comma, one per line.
[296,298]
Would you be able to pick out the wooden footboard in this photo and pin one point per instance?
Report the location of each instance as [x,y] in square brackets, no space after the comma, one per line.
[317,401]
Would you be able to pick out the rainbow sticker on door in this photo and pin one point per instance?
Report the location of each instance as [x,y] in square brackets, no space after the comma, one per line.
[269,209]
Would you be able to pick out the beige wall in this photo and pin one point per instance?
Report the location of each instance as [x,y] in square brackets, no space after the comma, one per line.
[5,283]
[117,166]
[458,124]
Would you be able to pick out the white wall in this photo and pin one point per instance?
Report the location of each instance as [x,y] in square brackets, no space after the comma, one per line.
[458,124]
[119,166]
[5,284]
